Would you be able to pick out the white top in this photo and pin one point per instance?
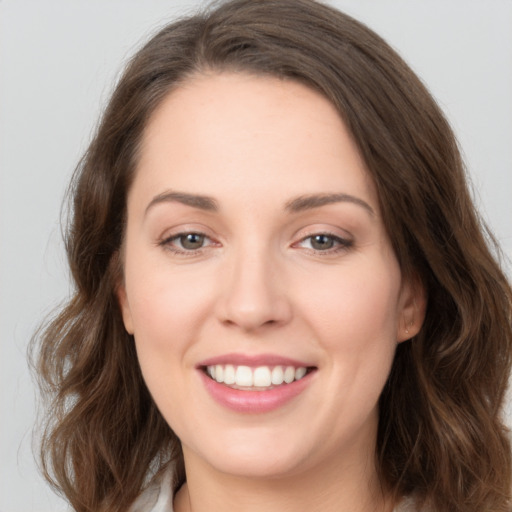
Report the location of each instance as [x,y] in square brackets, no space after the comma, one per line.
[158,497]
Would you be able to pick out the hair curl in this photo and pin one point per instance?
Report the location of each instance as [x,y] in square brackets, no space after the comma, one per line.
[441,434]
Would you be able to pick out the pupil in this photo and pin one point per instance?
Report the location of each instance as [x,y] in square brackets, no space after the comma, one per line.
[192,241]
[322,242]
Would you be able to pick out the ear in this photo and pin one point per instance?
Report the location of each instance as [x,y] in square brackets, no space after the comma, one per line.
[125,307]
[120,292]
[412,308]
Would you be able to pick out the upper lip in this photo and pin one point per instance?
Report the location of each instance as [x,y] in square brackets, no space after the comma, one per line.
[253,360]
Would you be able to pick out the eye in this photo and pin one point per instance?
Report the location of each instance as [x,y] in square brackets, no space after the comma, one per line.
[191,241]
[324,242]
[186,242]
[321,242]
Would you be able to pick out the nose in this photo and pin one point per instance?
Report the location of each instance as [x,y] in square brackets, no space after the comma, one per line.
[254,293]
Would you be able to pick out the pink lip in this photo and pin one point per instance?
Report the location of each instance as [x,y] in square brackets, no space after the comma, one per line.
[254,402]
[253,360]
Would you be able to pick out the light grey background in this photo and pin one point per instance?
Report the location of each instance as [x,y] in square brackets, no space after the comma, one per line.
[58,60]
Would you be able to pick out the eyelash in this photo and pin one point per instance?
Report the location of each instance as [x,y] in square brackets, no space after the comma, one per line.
[167,243]
[340,244]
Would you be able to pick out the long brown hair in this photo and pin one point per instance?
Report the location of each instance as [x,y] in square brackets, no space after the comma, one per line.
[441,433]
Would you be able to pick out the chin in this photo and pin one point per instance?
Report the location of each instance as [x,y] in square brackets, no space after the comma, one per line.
[258,466]
[264,455]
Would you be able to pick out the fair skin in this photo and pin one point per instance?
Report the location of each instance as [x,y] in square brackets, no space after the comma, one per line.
[226,263]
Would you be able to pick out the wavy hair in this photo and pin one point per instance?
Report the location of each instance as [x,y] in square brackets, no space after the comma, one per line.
[441,433]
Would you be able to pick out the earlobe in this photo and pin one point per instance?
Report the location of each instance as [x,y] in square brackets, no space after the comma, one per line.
[413,300]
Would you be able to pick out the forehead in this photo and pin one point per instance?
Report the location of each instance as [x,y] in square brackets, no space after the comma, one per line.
[238,131]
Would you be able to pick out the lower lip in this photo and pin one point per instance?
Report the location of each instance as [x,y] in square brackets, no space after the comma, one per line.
[254,401]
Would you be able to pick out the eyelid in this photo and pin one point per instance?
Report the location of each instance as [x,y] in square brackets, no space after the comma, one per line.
[342,242]
[183,228]
[176,236]
[166,240]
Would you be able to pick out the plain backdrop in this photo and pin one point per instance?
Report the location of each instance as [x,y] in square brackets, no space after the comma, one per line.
[58,61]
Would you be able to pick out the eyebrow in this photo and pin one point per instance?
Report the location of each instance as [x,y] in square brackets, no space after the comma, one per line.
[196,201]
[299,204]
[309,202]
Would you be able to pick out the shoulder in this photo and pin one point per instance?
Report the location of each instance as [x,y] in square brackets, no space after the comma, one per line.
[157,497]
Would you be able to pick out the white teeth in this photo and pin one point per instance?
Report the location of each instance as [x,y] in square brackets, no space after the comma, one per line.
[289,374]
[260,377]
[229,374]
[243,376]
[277,375]
[299,373]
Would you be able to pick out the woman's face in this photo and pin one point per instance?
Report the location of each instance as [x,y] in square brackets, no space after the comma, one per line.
[255,252]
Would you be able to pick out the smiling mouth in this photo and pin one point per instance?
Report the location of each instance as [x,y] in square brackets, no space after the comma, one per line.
[260,378]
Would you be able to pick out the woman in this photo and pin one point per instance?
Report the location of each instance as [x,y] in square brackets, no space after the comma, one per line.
[284,296]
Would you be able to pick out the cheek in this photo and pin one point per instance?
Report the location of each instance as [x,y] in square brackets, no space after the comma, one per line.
[165,309]
[356,309]
[166,322]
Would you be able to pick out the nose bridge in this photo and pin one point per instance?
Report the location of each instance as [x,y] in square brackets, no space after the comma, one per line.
[254,294]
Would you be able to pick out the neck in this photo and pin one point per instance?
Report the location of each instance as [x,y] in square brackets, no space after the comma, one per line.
[338,486]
